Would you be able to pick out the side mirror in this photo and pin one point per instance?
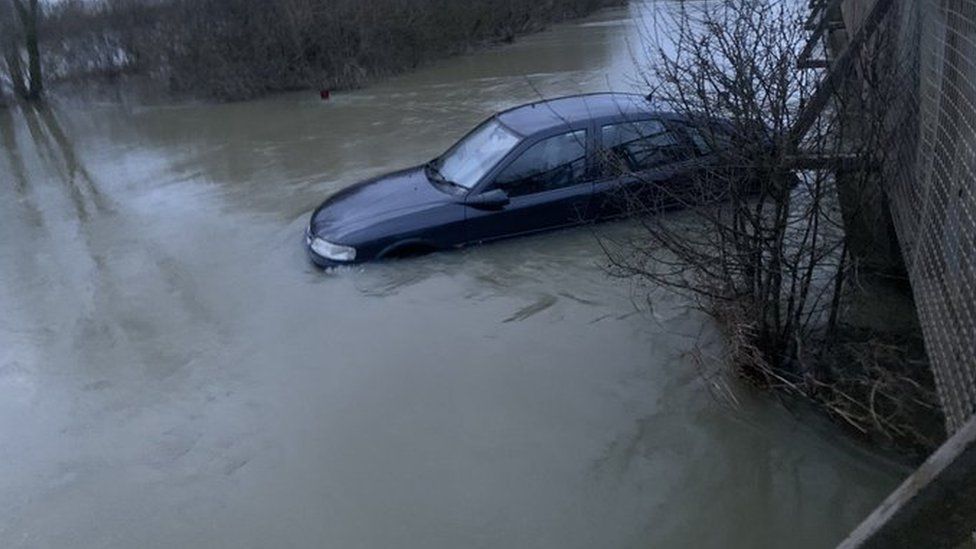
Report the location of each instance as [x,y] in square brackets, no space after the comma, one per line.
[494,199]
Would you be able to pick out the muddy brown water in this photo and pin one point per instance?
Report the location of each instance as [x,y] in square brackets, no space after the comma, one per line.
[174,373]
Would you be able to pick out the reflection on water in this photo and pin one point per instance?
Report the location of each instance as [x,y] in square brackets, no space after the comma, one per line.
[173,372]
[15,174]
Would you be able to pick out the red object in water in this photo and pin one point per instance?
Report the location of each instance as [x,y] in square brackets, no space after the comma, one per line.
[324,94]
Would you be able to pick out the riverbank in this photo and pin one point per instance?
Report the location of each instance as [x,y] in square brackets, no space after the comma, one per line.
[243,49]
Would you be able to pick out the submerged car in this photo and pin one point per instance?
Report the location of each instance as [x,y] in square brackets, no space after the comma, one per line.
[541,166]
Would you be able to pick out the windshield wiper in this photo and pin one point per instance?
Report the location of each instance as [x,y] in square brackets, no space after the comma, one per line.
[438,177]
[432,168]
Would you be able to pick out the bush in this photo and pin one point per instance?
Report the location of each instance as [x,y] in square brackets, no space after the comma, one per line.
[762,245]
[237,49]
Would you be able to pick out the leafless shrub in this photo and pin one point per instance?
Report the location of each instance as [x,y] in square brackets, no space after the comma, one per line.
[754,238]
[234,49]
[761,242]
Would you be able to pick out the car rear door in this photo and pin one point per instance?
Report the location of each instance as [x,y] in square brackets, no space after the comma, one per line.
[549,185]
[645,166]
[715,175]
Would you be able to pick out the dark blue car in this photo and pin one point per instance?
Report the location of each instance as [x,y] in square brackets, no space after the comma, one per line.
[541,166]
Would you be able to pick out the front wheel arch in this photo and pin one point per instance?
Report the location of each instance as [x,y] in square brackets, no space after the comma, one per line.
[407,248]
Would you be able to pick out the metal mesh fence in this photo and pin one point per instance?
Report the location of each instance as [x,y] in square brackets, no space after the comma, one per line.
[931,184]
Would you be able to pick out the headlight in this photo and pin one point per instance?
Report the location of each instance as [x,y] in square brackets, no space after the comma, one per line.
[335,252]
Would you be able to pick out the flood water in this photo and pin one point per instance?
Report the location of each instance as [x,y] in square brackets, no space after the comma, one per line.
[174,373]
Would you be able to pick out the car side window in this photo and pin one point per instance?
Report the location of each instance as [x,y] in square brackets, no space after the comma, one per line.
[640,145]
[553,163]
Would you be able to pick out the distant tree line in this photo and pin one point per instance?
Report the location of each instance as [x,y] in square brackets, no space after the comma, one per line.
[238,49]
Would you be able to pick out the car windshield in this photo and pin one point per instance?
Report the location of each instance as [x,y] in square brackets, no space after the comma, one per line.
[468,160]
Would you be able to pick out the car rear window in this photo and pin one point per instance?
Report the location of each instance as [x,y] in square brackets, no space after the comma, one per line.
[709,138]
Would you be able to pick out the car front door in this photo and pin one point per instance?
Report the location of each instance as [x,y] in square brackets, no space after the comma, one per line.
[547,186]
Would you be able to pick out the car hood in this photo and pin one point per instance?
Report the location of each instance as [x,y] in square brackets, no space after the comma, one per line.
[373,201]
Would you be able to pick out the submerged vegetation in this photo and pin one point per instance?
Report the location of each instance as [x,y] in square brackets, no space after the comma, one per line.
[239,49]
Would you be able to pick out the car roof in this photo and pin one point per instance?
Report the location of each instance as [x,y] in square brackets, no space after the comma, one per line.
[550,113]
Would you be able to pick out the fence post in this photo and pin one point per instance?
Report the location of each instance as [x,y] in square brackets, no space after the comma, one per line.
[935,506]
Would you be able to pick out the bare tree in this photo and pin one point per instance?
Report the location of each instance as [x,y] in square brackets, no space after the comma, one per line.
[19,30]
[29,14]
[10,43]
[760,241]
